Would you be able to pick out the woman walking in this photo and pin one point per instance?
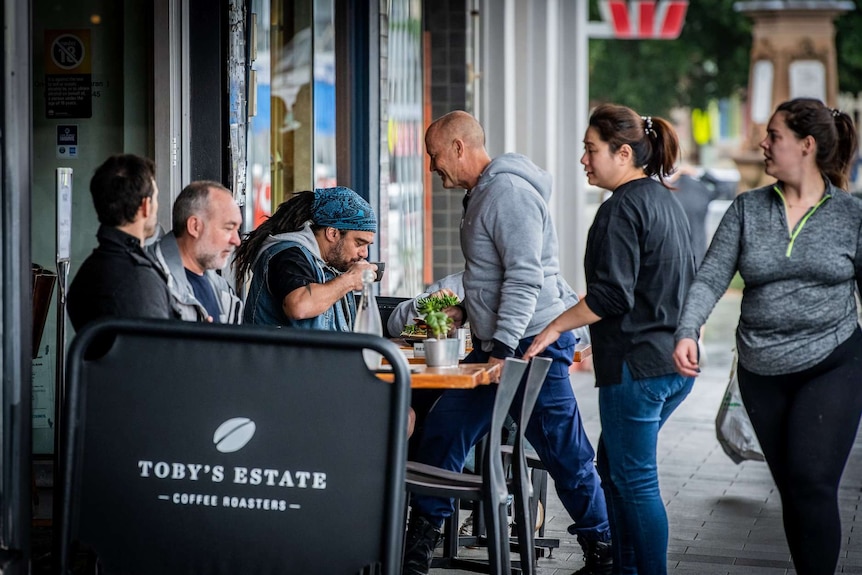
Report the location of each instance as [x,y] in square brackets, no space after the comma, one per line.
[798,246]
[639,264]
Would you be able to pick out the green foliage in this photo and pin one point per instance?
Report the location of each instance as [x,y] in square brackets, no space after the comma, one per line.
[436,319]
[438,323]
[436,303]
[709,60]
[848,45]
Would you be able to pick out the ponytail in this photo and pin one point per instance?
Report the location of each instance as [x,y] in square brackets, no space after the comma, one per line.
[845,152]
[664,149]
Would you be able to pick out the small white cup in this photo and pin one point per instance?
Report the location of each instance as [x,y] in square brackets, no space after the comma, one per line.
[462,333]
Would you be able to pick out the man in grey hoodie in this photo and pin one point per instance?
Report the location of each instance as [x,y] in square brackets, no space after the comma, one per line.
[512,290]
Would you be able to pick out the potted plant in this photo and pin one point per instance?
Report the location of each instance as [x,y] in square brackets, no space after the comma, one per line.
[440,350]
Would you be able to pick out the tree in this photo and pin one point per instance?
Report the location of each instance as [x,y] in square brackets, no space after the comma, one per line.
[848,45]
[710,60]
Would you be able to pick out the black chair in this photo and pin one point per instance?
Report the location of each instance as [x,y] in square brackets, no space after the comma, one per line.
[386,305]
[528,487]
[213,449]
[491,488]
[525,496]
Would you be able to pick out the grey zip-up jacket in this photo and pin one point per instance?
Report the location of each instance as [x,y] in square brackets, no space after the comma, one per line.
[512,282]
[799,303]
[183,300]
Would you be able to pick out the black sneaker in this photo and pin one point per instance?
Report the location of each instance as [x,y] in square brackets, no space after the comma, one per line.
[598,558]
[422,539]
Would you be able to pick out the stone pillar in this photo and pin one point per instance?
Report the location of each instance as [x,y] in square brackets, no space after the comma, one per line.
[792,55]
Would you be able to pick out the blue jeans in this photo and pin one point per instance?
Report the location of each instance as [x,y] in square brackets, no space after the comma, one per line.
[632,413]
[462,416]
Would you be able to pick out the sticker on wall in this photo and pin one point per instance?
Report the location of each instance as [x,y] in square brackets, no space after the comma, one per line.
[67,141]
[68,74]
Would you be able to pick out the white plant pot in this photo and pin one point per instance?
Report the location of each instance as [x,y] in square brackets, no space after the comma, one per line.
[441,352]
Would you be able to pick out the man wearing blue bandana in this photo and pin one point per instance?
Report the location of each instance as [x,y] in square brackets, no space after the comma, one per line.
[306,259]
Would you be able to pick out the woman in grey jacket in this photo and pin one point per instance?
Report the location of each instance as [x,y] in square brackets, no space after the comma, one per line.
[798,246]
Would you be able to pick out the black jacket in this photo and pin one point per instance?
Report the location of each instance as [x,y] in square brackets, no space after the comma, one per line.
[120,280]
[639,265]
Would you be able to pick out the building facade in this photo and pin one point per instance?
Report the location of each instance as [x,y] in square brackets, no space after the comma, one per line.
[268,97]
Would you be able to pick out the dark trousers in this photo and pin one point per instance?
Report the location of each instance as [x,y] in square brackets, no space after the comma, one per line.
[806,423]
[460,418]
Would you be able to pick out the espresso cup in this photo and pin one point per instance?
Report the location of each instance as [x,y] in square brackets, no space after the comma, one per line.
[380,267]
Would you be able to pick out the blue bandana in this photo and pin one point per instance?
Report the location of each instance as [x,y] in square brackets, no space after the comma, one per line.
[343,209]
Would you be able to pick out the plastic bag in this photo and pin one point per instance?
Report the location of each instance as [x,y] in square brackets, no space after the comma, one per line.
[732,426]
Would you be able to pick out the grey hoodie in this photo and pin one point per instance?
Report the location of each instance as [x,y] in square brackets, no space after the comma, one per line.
[799,302]
[512,282]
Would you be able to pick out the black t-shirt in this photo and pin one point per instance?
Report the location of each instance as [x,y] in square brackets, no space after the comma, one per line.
[204,294]
[638,265]
[289,270]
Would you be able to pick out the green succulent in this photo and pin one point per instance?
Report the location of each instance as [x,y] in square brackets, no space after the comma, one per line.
[438,323]
[428,304]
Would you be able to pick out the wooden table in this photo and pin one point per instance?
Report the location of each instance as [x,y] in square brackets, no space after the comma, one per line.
[465,376]
[582,351]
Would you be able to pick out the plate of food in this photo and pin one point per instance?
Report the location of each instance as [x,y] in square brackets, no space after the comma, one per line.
[415,332]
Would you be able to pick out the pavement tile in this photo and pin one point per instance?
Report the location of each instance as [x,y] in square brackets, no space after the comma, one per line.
[724,518]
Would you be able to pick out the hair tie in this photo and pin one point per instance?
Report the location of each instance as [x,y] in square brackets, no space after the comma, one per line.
[835,112]
[648,125]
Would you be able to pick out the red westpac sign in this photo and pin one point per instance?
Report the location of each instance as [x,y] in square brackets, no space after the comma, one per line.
[643,19]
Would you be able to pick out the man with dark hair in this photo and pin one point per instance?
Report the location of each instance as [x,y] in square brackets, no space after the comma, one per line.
[307,259]
[206,222]
[119,279]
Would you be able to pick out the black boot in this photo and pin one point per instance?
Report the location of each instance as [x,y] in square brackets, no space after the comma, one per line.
[598,559]
[422,539]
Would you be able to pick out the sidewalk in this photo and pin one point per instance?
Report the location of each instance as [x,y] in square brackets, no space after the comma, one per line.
[724,518]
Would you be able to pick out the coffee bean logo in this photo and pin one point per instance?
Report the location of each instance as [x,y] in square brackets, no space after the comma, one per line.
[233,434]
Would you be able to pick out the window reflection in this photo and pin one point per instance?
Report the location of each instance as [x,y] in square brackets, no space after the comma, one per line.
[324,93]
[292,132]
[406,149]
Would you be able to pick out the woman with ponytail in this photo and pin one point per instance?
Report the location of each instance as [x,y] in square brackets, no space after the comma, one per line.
[797,244]
[639,264]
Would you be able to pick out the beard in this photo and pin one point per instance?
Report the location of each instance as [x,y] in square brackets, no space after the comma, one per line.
[338,260]
[212,261]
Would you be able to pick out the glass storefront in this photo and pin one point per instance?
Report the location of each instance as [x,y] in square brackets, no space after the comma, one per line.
[292,128]
[292,132]
[92,97]
[405,138]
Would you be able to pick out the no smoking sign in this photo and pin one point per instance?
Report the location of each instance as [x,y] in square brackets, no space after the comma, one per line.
[67,52]
[68,79]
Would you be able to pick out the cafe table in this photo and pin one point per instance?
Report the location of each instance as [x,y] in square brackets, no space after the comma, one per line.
[464,376]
